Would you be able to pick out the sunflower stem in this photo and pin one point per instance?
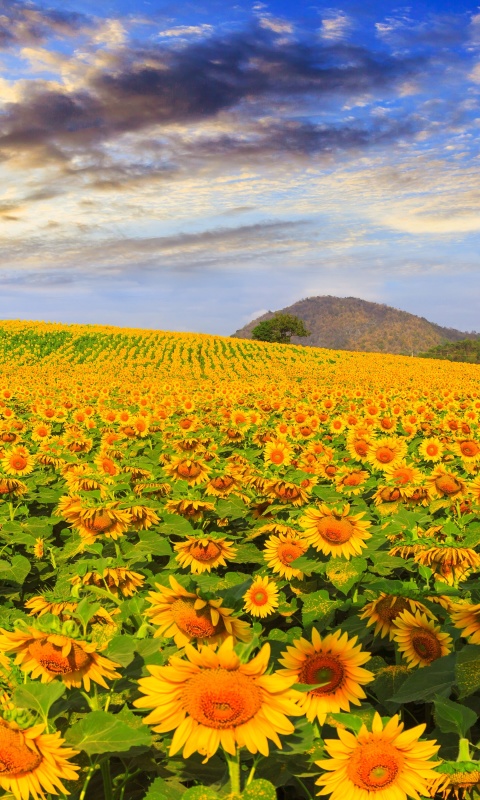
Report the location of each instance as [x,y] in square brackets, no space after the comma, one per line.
[107,780]
[87,780]
[464,750]
[234,771]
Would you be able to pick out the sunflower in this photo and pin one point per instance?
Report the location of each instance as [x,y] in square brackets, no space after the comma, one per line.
[34,763]
[52,655]
[403,475]
[17,461]
[444,484]
[383,612]
[91,521]
[187,469]
[142,517]
[335,532]
[281,551]
[41,431]
[116,580]
[190,509]
[278,452]
[41,604]
[466,616]
[351,481]
[185,616]
[224,484]
[11,486]
[468,450]
[261,598]
[336,664]
[204,553]
[211,699]
[358,444]
[384,764]
[387,451]
[419,639]
[449,564]
[431,449]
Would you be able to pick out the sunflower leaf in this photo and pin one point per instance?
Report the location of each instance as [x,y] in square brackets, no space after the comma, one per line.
[468,670]
[453,717]
[199,793]
[101,732]
[260,790]
[38,697]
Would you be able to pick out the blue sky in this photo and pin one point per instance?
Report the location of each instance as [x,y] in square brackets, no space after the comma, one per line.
[188,166]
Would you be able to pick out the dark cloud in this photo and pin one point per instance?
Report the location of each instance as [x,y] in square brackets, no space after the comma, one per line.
[196,83]
[26,23]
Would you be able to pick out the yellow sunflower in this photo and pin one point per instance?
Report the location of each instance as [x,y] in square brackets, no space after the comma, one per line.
[11,486]
[387,763]
[278,452]
[34,763]
[419,639]
[468,450]
[204,553]
[116,580]
[335,532]
[187,469]
[449,564]
[386,451]
[403,475]
[261,598]
[185,616]
[190,509]
[444,484]
[334,662]
[50,655]
[383,612]
[288,492]
[210,699]
[431,449]
[466,616]
[351,481]
[17,461]
[281,551]
[91,521]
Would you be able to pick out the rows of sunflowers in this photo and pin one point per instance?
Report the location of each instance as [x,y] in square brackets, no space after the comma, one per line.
[230,569]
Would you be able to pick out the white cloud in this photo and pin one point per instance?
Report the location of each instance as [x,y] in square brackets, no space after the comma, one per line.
[186,30]
[276,25]
[336,27]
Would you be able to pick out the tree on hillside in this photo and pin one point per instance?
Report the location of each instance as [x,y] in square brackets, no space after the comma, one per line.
[280,329]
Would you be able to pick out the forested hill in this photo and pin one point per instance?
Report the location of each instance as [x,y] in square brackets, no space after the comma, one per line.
[348,323]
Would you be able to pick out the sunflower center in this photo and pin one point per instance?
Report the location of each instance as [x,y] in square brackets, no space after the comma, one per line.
[426,645]
[220,698]
[469,448]
[432,449]
[325,669]
[374,766]
[354,479]
[16,758]
[361,447]
[260,597]
[277,456]
[192,622]
[447,484]
[100,522]
[403,475]
[205,553]
[385,455]
[388,610]
[18,462]
[50,657]
[189,469]
[336,531]
[289,551]
[222,482]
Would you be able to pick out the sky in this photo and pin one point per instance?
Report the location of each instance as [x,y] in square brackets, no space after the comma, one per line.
[189,166]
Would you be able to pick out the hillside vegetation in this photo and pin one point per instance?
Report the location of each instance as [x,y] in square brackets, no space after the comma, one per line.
[348,323]
[466,350]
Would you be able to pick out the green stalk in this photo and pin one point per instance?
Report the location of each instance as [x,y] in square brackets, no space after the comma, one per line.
[88,778]
[107,780]
[234,771]
[464,750]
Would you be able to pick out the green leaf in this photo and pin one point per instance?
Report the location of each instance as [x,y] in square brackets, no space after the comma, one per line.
[318,608]
[345,574]
[200,793]
[122,649]
[453,717]
[248,554]
[101,732]
[176,524]
[233,508]
[427,682]
[384,564]
[388,681]
[86,610]
[161,790]
[467,670]
[260,790]
[16,571]
[38,697]
[153,543]
[350,721]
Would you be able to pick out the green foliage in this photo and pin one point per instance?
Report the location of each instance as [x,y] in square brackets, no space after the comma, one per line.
[280,329]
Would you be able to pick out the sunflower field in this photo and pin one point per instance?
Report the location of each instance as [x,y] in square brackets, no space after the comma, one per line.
[232,569]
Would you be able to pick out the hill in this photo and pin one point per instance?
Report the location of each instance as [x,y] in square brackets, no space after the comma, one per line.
[348,323]
[465,350]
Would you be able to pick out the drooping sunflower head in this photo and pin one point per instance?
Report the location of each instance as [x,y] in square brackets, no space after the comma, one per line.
[335,532]
[187,617]
[211,699]
[450,564]
[385,763]
[334,666]
[204,553]
[383,612]
[466,617]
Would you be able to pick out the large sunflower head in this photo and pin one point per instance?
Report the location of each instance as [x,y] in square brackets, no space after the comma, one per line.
[419,640]
[335,663]
[450,564]
[211,699]
[94,519]
[335,531]
[187,617]
[33,763]
[204,553]
[445,484]
[387,451]
[386,763]
[53,655]
[17,461]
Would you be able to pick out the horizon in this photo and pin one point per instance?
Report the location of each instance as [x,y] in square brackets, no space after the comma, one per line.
[189,169]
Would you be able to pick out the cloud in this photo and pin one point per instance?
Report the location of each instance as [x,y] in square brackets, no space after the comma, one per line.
[28,23]
[186,30]
[336,27]
[276,25]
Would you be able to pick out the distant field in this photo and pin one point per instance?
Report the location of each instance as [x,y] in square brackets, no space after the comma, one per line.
[218,555]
